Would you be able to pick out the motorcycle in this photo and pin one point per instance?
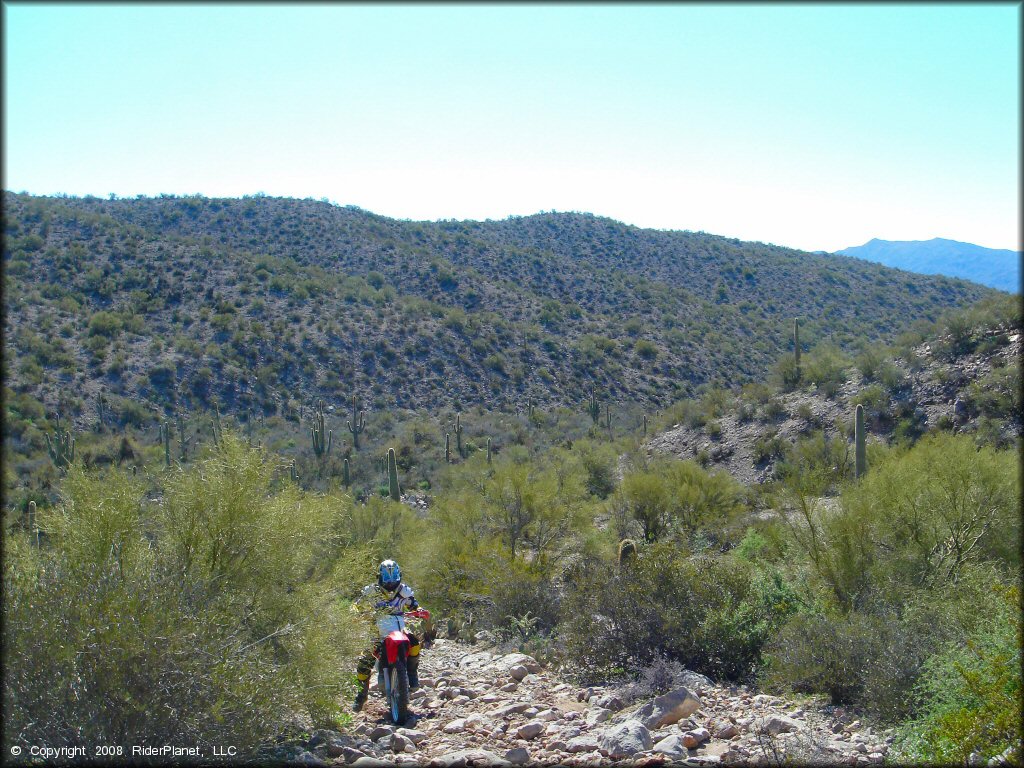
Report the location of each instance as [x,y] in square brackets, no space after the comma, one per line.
[392,655]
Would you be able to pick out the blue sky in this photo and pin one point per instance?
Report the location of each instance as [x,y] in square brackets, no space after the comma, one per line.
[817,127]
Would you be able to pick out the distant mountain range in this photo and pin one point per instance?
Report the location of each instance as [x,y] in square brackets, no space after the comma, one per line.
[995,268]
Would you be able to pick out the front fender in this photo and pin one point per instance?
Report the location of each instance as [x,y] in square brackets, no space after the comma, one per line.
[394,642]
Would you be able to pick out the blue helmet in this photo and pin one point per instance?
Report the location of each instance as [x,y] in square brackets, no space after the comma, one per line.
[389,575]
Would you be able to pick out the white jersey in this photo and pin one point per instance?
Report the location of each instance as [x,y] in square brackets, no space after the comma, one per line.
[395,603]
[389,606]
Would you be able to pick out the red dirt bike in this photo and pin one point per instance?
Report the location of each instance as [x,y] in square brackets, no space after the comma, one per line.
[392,664]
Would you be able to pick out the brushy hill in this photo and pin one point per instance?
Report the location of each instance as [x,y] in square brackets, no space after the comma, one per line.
[260,302]
[964,378]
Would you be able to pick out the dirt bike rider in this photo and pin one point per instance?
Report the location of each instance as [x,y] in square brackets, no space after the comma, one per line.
[389,595]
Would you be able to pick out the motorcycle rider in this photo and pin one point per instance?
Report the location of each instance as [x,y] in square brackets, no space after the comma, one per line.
[390,596]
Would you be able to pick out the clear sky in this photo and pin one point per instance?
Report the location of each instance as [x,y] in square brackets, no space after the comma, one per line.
[816,127]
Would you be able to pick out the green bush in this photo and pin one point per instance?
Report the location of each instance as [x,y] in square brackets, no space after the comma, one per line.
[970,692]
[711,614]
[208,618]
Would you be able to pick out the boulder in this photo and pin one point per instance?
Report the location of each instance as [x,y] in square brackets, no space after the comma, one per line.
[726,730]
[380,732]
[455,726]
[585,743]
[598,715]
[413,735]
[518,672]
[518,756]
[696,737]
[625,739]
[776,724]
[350,754]
[672,746]
[400,744]
[668,709]
[530,730]
[609,701]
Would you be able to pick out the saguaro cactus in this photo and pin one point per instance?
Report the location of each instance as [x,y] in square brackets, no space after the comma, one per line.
[594,409]
[488,450]
[322,438]
[61,448]
[346,476]
[458,435]
[356,425]
[645,425]
[102,412]
[447,448]
[796,345]
[293,473]
[860,454]
[33,525]
[181,437]
[218,435]
[165,438]
[394,489]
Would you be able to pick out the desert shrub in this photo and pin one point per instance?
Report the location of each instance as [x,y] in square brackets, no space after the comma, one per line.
[858,658]
[936,508]
[679,498]
[785,373]
[711,614]
[969,694]
[768,446]
[825,366]
[869,362]
[598,461]
[208,618]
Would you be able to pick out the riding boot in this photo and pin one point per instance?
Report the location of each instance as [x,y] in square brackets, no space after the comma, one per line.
[360,699]
[413,666]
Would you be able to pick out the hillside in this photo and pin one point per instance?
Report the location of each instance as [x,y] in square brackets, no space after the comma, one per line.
[261,302]
[997,268]
[966,385]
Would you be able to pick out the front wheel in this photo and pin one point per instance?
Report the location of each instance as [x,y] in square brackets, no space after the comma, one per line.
[398,690]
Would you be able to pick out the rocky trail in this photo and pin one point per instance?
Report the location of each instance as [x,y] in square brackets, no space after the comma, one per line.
[481,707]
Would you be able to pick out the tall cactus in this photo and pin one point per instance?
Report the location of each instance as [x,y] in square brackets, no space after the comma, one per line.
[458,435]
[645,425]
[594,409]
[293,472]
[860,454]
[447,447]
[102,412]
[165,438]
[346,474]
[321,436]
[356,425]
[61,448]
[488,450]
[218,434]
[394,489]
[796,345]
[608,418]
[33,524]
[181,437]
